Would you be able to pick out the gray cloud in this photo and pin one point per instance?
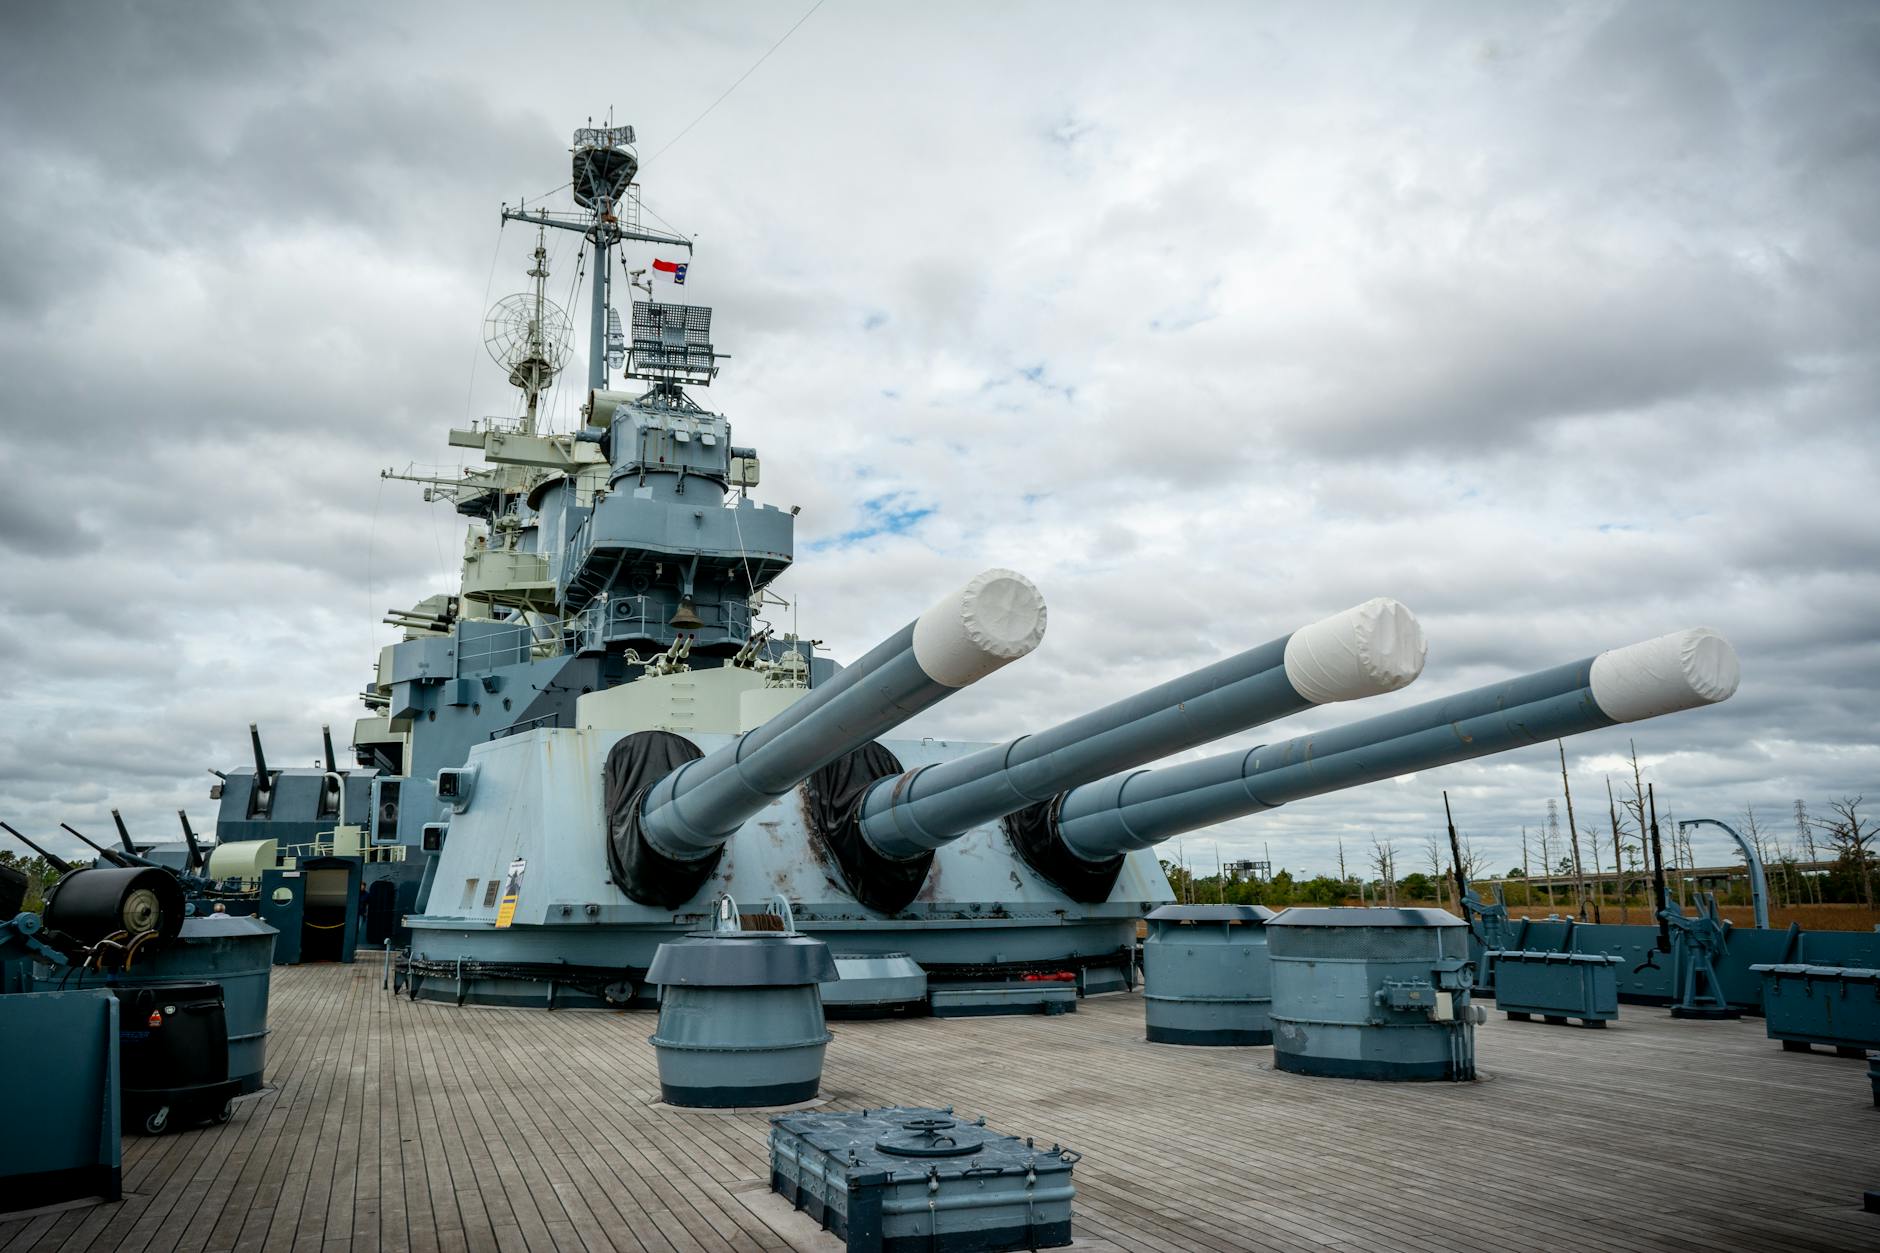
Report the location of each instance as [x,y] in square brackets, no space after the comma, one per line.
[1552,322]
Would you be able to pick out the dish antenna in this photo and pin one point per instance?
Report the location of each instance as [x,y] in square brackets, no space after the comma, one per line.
[527,334]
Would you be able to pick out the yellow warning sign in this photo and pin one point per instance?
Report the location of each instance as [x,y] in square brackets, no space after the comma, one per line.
[512,888]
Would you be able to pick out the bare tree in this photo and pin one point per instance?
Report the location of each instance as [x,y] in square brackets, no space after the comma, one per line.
[1618,854]
[1753,832]
[1851,836]
[1683,856]
[1434,847]
[1471,860]
[1384,861]
[1343,876]
[1579,873]
[1635,806]
[1528,865]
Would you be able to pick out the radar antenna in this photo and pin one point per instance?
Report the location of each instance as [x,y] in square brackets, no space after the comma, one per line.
[604,168]
[527,334]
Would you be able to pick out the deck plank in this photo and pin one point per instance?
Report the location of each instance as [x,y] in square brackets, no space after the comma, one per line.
[403,1126]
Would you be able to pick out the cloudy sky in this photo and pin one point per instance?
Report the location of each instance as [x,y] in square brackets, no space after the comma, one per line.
[1555,322]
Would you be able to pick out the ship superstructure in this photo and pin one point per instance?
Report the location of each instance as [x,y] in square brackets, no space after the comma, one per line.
[580,570]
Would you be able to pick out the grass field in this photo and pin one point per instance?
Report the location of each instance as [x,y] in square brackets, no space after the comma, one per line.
[1812,917]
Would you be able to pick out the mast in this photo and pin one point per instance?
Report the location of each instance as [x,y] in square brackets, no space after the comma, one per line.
[604,166]
[539,371]
[597,325]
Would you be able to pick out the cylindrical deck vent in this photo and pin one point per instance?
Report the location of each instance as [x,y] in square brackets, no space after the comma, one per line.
[1372,994]
[740,1018]
[1209,981]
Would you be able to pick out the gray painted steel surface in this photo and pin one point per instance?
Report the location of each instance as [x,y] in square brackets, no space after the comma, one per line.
[909,1179]
[925,809]
[1363,651]
[1000,1000]
[237,953]
[740,1018]
[538,799]
[1138,810]
[995,619]
[1682,670]
[1208,980]
[1557,986]
[61,1141]
[1833,1005]
[695,809]
[1372,994]
[874,982]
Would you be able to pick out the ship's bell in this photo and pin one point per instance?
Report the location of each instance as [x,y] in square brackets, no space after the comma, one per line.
[685,618]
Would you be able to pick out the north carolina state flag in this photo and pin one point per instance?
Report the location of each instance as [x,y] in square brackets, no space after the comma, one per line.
[674,270]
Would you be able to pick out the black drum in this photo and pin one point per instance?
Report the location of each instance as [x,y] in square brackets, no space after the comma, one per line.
[89,905]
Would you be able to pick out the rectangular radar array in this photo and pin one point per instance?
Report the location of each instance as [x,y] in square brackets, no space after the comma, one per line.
[672,343]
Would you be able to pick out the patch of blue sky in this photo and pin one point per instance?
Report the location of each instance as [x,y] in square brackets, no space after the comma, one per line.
[891,513]
[1036,375]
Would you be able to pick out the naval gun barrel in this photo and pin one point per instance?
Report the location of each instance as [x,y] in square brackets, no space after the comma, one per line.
[198,859]
[1366,650]
[57,862]
[124,835]
[998,617]
[120,860]
[261,761]
[1678,671]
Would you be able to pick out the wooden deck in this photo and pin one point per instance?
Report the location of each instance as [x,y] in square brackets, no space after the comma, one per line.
[396,1125]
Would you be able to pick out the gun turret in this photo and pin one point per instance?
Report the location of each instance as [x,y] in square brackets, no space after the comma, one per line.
[1088,828]
[675,825]
[58,863]
[1372,648]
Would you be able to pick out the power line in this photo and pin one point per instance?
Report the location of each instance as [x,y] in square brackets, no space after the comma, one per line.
[734,86]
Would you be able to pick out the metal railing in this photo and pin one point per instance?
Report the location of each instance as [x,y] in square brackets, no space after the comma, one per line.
[511,645]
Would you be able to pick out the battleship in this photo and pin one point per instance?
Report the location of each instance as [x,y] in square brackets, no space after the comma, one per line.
[603,720]
[571,772]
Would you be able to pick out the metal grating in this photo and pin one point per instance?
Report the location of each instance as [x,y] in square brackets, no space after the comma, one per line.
[671,342]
